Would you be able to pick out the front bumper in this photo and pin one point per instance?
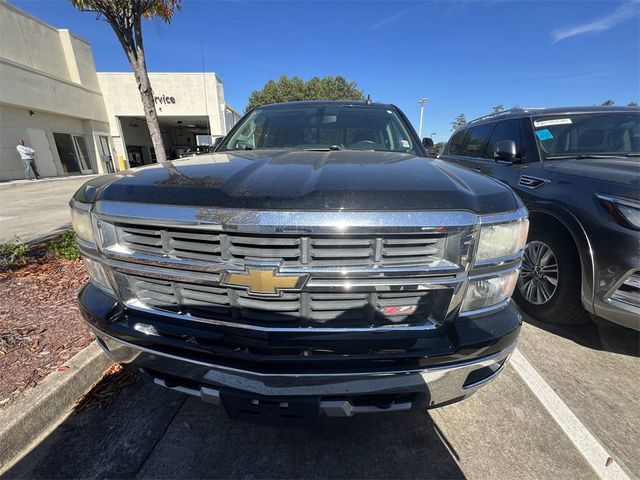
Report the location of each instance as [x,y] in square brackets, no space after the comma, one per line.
[482,353]
[437,385]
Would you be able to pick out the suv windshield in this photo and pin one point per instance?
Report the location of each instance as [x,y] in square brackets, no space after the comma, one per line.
[322,127]
[587,134]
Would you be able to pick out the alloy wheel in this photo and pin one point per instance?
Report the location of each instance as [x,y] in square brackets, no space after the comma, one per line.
[538,280]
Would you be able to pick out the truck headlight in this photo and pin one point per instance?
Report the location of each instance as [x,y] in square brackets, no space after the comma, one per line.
[489,291]
[97,274]
[81,222]
[499,240]
[626,211]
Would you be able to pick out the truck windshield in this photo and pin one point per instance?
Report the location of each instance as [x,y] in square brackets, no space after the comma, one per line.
[588,135]
[322,127]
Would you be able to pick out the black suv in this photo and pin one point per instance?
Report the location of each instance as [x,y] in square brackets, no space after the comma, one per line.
[578,172]
[316,262]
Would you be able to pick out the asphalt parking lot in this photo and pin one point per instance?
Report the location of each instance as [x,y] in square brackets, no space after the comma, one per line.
[31,210]
[507,430]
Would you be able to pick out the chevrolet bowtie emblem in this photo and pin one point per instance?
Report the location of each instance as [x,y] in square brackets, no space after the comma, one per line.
[263,281]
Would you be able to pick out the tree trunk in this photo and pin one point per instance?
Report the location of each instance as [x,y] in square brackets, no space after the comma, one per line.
[146,94]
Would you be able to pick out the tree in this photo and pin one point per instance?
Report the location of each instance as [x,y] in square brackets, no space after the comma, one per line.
[125,17]
[608,103]
[498,108]
[287,89]
[632,104]
[459,121]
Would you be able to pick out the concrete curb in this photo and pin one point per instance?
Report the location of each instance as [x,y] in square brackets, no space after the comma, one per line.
[41,409]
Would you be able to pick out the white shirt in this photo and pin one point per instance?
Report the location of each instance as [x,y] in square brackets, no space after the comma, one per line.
[26,153]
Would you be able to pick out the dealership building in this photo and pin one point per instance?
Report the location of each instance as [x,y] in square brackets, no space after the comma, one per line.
[80,121]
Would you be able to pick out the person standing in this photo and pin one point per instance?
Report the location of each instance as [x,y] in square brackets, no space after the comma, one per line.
[27,155]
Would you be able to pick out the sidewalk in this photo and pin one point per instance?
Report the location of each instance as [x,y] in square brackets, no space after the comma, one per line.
[31,210]
[10,183]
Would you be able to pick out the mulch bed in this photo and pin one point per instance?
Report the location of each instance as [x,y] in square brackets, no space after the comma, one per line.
[40,323]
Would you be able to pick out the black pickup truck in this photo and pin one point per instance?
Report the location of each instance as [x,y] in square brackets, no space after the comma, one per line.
[317,262]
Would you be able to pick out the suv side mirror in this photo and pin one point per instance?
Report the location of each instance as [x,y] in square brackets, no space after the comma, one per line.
[506,151]
[427,142]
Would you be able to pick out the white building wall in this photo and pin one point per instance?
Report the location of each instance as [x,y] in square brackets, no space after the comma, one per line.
[179,94]
[48,83]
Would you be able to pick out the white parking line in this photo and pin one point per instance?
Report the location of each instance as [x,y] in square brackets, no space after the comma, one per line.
[593,452]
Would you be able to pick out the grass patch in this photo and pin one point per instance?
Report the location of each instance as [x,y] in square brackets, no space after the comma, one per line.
[65,247]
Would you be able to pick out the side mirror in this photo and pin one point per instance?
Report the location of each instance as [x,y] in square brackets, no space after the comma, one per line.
[506,151]
[427,142]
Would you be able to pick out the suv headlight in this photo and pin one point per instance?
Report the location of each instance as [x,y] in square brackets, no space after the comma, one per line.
[81,222]
[501,240]
[625,210]
[489,291]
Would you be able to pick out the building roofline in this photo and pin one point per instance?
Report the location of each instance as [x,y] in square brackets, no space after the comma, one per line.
[18,10]
[160,73]
[226,105]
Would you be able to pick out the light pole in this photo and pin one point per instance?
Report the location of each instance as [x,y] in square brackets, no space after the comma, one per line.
[422,101]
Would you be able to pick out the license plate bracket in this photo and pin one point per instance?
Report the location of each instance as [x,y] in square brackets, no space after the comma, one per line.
[274,411]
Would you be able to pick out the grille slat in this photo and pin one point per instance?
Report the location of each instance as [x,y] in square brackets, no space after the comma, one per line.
[409,251]
[237,251]
[264,241]
[146,240]
[270,306]
[341,252]
[180,245]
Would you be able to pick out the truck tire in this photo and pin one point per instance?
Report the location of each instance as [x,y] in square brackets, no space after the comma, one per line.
[548,287]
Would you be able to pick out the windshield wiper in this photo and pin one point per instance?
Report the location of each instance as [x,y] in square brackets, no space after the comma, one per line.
[588,156]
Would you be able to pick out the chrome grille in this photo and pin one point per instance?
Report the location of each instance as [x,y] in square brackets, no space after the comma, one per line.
[362,270]
[305,309]
[291,250]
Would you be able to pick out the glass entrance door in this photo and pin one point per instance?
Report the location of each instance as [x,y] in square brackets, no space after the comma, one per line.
[105,152]
[83,154]
[67,153]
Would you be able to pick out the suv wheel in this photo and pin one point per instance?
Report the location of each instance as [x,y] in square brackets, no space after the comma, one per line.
[548,287]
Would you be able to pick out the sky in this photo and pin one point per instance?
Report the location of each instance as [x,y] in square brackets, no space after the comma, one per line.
[465,56]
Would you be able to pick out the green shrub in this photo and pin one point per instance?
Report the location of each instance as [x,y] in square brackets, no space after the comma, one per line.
[65,247]
[13,254]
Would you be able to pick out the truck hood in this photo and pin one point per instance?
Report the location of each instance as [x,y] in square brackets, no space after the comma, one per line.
[624,171]
[306,180]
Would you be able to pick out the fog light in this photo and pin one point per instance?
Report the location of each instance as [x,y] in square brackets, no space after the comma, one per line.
[97,274]
[486,292]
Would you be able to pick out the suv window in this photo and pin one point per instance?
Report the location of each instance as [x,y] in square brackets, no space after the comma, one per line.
[456,142]
[477,139]
[506,130]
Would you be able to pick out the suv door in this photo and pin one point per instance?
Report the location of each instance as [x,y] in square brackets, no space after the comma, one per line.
[506,172]
[466,146]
